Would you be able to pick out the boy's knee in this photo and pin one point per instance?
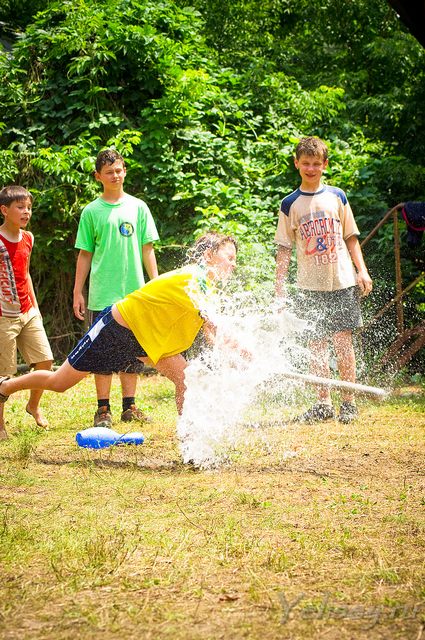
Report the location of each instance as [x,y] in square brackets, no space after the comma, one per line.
[46,365]
[57,385]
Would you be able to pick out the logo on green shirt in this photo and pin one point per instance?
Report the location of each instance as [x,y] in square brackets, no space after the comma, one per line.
[126,229]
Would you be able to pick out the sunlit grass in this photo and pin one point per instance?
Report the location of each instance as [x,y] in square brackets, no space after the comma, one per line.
[128,541]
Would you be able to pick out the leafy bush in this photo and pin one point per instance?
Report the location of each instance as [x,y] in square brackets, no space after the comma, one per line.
[206,102]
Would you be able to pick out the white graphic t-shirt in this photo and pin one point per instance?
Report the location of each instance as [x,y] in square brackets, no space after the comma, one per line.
[318,224]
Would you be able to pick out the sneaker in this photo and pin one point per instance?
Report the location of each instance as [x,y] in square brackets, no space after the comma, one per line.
[347,412]
[103,418]
[133,414]
[318,413]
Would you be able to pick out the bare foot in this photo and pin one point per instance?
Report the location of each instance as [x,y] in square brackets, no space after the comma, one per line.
[38,417]
[3,434]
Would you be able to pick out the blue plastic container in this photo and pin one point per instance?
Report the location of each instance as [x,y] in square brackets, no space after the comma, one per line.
[135,437]
[102,437]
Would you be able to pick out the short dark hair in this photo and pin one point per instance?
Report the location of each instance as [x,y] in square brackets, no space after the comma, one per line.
[107,156]
[13,192]
[311,146]
[211,240]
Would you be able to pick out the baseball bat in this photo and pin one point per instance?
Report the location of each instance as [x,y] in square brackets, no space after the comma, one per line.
[337,384]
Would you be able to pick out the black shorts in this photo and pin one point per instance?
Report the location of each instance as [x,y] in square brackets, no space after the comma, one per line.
[107,347]
[329,312]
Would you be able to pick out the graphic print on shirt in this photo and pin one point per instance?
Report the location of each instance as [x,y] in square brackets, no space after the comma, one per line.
[10,305]
[126,229]
[322,237]
[319,224]
[15,294]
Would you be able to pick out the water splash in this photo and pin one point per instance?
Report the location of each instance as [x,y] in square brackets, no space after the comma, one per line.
[221,384]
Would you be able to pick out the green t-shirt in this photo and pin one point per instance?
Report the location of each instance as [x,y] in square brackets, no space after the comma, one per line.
[115,234]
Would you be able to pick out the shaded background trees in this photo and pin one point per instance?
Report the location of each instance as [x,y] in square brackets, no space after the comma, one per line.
[206,101]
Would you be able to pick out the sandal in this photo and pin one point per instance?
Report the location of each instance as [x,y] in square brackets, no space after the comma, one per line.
[3,398]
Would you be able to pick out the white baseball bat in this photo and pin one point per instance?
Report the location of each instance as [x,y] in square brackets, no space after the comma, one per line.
[338,384]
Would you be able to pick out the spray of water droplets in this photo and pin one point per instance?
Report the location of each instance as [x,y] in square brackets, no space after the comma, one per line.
[222,384]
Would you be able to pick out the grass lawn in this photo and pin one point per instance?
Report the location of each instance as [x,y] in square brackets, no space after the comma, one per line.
[130,543]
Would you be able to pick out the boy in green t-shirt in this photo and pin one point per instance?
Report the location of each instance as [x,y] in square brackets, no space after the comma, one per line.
[115,238]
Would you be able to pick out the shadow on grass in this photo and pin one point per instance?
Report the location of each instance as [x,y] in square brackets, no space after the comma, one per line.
[176,466]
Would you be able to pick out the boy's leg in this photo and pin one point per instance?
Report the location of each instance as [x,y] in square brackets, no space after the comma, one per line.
[319,366]
[103,382]
[130,412]
[34,346]
[103,416]
[35,395]
[173,369]
[3,432]
[103,385]
[128,384]
[346,360]
[9,331]
[59,381]
[344,349]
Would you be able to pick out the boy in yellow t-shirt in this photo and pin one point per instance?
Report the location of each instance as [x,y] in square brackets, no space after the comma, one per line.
[155,325]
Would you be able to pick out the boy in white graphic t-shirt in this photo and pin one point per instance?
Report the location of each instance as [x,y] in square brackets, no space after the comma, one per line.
[331,273]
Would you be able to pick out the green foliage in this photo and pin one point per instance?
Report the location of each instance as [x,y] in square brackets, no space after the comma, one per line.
[206,101]
[15,15]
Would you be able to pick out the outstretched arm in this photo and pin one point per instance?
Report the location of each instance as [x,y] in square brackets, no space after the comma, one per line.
[210,331]
[230,343]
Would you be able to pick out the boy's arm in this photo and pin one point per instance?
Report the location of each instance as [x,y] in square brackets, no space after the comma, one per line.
[283,258]
[363,278]
[29,280]
[83,267]
[149,260]
[231,344]
[210,331]
[31,290]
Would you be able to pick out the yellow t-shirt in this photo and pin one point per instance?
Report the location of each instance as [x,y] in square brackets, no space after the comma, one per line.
[165,314]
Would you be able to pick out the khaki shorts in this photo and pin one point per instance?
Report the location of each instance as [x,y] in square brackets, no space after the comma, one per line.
[26,334]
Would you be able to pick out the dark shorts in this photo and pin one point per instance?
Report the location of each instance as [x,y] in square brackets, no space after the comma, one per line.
[329,312]
[107,347]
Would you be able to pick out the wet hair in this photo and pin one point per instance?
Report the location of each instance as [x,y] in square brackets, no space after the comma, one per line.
[13,192]
[311,146]
[212,241]
[108,156]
